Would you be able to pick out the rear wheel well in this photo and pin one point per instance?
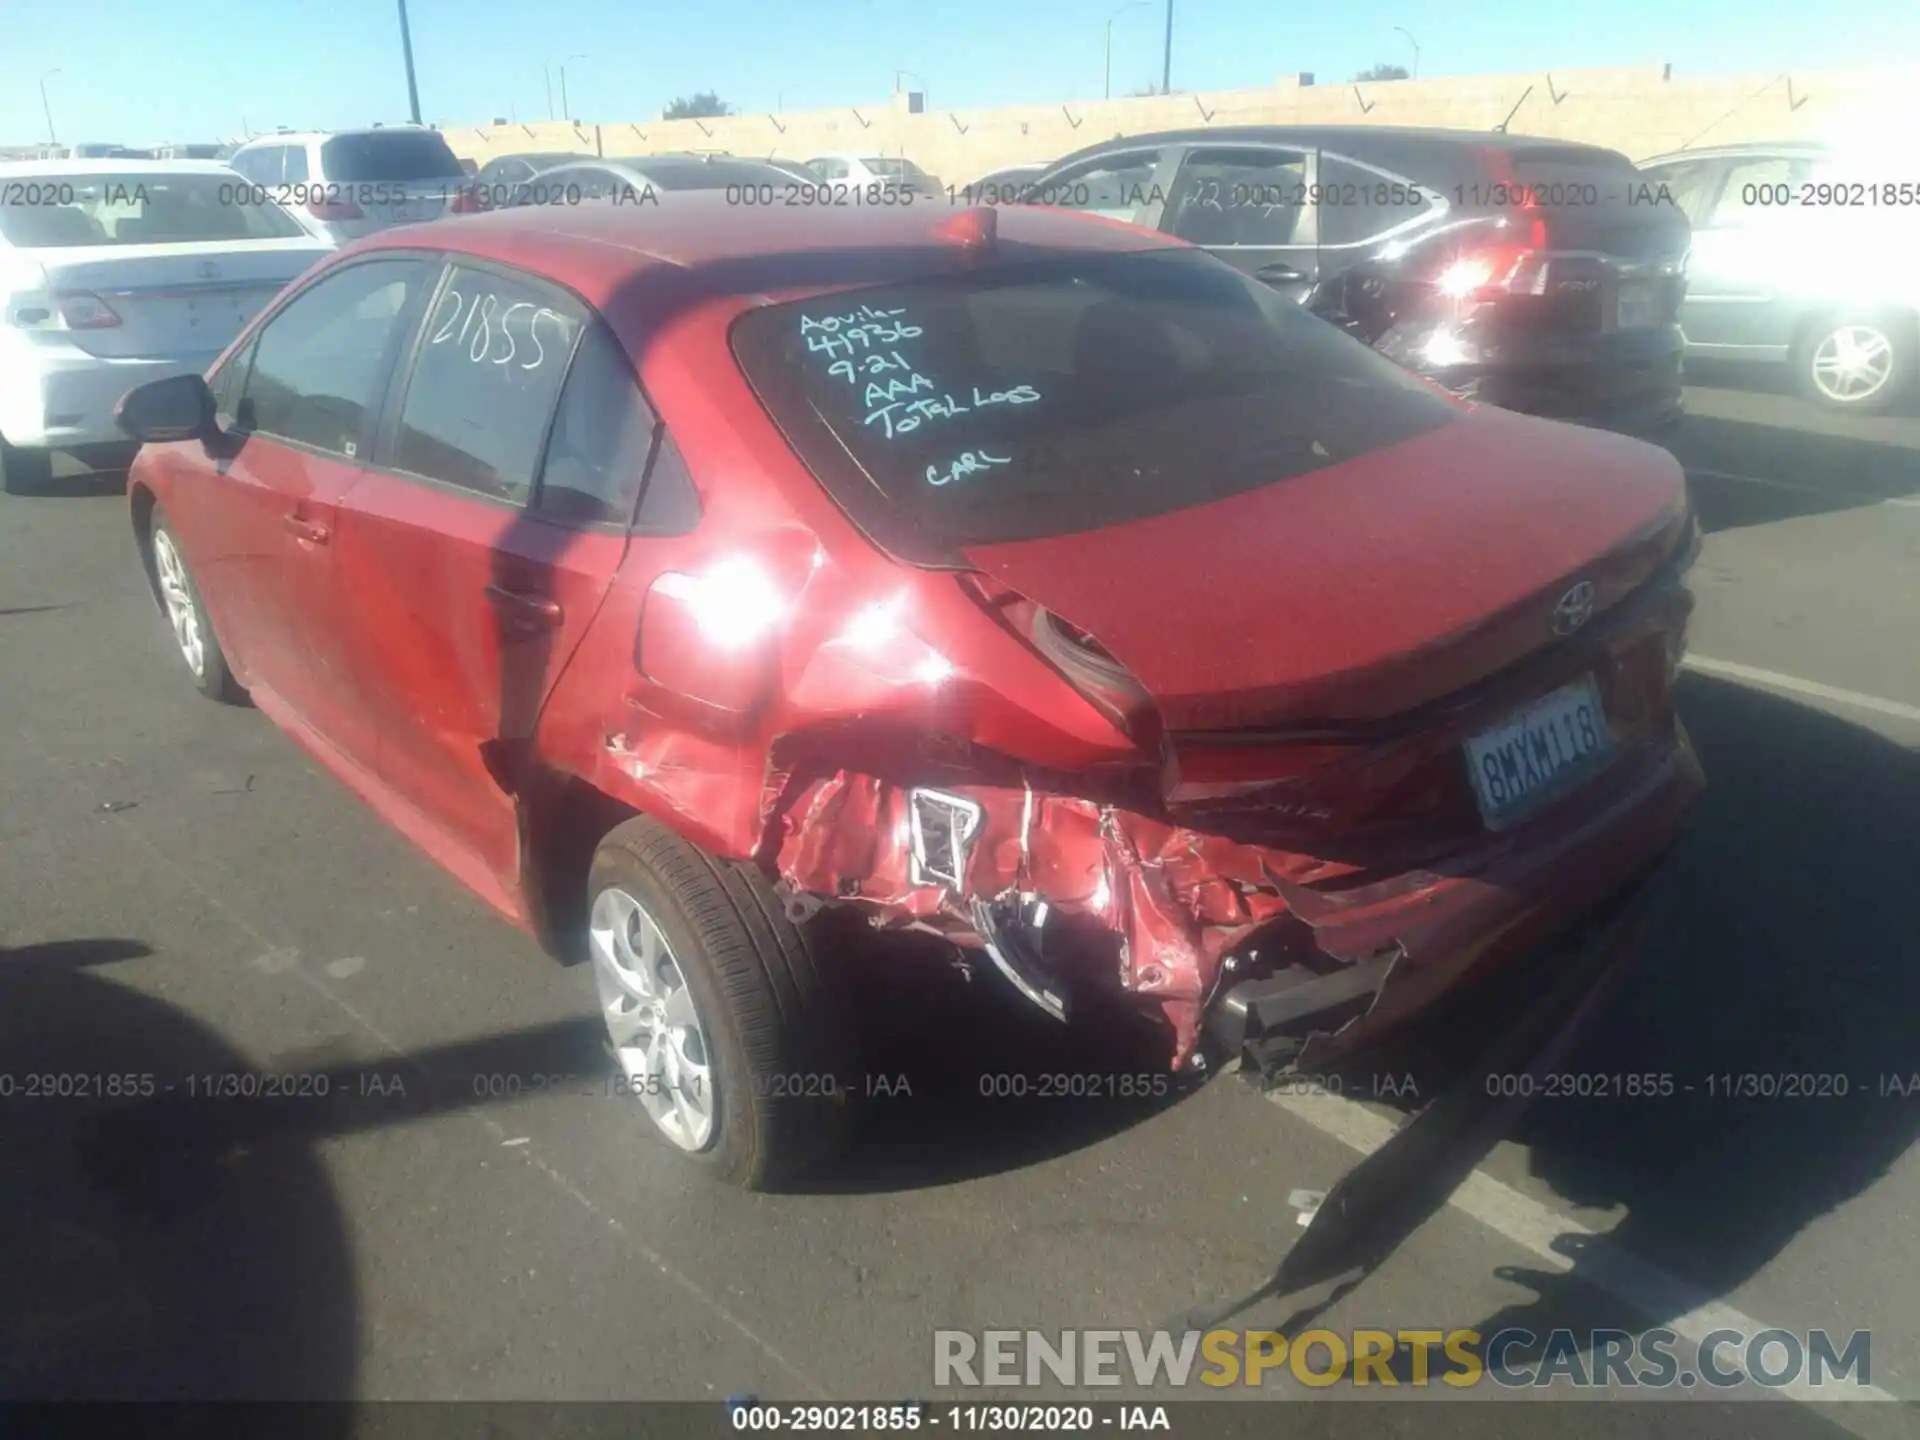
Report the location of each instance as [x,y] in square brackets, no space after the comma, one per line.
[563,819]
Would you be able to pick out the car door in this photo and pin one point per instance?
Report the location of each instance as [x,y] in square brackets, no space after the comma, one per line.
[1746,260]
[300,401]
[1251,205]
[1363,208]
[468,586]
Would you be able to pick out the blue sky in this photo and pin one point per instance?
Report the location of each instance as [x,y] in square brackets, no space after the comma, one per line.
[138,71]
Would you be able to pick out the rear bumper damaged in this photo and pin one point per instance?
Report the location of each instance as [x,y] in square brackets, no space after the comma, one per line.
[1065,894]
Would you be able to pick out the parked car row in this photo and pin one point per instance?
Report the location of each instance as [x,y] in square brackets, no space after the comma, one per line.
[1544,276]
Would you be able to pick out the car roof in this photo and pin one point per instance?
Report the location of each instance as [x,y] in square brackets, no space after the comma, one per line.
[305,137]
[108,166]
[1353,139]
[1744,150]
[596,249]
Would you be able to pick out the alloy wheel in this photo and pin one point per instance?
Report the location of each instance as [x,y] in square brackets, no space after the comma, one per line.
[652,1020]
[1852,363]
[182,613]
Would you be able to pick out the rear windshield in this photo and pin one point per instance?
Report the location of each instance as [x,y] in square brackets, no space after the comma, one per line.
[1598,200]
[396,156]
[135,209]
[704,174]
[896,169]
[1065,395]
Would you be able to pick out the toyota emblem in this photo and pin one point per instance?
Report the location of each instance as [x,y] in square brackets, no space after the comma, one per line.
[1574,610]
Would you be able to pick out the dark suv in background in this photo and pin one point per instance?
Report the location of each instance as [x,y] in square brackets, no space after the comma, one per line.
[1538,275]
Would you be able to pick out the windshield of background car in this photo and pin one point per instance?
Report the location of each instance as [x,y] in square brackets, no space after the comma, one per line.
[136,208]
[1065,395]
[394,157]
[896,169]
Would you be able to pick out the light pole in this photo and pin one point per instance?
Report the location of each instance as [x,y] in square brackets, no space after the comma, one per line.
[406,51]
[547,70]
[566,113]
[52,139]
[1166,61]
[1416,49]
[1131,5]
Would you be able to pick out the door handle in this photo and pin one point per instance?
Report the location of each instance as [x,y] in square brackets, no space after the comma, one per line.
[310,531]
[534,609]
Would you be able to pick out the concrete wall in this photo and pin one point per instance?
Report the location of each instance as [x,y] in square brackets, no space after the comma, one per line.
[1638,111]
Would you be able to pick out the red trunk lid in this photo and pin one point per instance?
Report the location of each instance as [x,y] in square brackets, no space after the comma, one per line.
[1367,588]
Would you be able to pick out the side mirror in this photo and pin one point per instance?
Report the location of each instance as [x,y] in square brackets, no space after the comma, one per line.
[181,407]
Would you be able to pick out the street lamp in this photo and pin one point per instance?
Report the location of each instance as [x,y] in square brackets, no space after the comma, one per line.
[52,139]
[1166,62]
[1416,49]
[406,52]
[565,112]
[1130,5]
[547,70]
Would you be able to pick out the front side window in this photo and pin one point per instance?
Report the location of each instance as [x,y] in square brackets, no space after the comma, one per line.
[1238,197]
[488,368]
[1065,395]
[318,363]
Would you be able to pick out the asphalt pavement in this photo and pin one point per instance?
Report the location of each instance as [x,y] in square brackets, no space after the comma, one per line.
[183,894]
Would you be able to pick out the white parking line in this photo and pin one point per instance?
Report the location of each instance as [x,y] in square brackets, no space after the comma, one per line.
[1794,685]
[1563,1243]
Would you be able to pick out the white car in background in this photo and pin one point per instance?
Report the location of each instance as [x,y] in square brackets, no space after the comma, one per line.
[355,182]
[884,170]
[114,273]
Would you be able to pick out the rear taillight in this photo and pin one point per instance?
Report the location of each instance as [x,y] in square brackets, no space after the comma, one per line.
[83,310]
[1513,262]
[322,209]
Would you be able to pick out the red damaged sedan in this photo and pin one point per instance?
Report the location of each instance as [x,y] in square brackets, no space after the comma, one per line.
[1026,578]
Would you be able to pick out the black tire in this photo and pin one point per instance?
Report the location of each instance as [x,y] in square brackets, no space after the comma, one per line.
[1900,335]
[213,680]
[24,471]
[782,1042]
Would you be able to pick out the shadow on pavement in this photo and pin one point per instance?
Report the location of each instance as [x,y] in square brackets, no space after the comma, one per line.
[1791,469]
[1781,947]
[133,1267]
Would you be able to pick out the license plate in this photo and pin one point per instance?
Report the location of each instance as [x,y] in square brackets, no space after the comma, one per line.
[1634,306]
[1539,753]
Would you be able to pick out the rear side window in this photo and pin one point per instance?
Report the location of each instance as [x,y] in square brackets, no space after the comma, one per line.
[317,365]
[486,372]
[1764,183]
[1065,395]
[1357,203]
[392,156]
[602,434]
[1690,184]
[1238,197]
